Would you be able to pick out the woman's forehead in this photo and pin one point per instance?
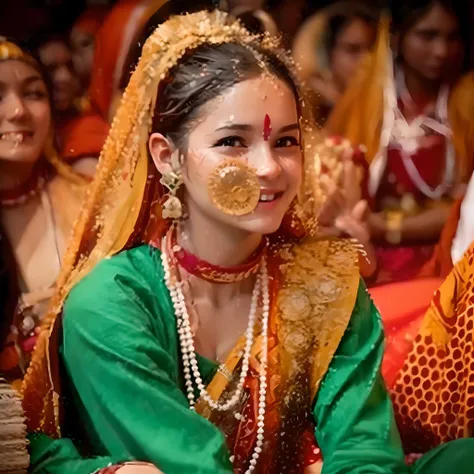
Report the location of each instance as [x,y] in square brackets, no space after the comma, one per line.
[16,70]
[249,101]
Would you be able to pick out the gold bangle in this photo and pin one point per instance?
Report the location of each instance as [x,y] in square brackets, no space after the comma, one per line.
[394,221]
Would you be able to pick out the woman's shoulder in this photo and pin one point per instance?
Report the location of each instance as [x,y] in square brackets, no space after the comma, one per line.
[319,278]
[313,253]
[132,270]
[121,295]
[466,81]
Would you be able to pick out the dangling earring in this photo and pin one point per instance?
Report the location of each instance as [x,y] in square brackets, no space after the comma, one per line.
[172,208]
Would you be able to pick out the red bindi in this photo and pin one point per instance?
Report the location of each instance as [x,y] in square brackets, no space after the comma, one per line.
[267,128]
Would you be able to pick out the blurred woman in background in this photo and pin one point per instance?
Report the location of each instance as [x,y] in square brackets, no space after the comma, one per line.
[329,47]
[417,130]
[40,198]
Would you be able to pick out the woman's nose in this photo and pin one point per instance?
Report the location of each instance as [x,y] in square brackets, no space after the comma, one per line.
[15,107]
[267,164]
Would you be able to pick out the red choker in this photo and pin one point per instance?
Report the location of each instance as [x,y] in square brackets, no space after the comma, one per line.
[214,273]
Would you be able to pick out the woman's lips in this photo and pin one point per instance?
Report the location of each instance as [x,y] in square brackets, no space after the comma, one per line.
[269,199]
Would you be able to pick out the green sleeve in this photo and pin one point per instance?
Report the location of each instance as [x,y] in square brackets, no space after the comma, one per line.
[123,363]
[59,456]
[355,427]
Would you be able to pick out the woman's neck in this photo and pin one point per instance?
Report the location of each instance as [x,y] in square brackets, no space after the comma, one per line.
[420,88]
[14,174]
[218,244]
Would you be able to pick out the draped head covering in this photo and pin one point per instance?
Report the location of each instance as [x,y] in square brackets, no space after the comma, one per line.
[124,204]
[85,135]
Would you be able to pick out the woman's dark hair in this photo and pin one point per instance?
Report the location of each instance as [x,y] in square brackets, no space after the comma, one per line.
[407,13]
[9,291]
[341,15]
[42,38]
[203,75]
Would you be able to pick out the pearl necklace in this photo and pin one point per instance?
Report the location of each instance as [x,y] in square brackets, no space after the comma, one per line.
[188,352]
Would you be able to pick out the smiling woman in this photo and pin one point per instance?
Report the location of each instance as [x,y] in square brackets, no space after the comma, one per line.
[39,198]
[198,324]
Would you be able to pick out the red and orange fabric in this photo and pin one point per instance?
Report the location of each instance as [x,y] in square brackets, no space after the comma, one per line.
[433,391]
[91,20]
[85,135]
[442,263]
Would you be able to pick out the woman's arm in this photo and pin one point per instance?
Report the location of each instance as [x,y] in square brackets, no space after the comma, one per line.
[423,227]
[355,428]
[119,357]
[60,456]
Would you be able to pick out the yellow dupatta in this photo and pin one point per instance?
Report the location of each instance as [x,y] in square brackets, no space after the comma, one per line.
[358,114]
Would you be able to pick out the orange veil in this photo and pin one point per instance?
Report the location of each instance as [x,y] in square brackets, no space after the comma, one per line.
[124,204]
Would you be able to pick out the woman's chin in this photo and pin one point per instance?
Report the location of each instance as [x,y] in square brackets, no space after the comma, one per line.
[264,225]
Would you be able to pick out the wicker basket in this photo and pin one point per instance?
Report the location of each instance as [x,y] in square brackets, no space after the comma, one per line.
[14,457]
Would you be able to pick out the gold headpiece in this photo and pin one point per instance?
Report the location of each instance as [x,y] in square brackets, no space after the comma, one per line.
[124,205]
[9,50]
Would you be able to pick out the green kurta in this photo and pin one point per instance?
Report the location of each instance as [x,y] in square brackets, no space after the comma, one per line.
[121,353]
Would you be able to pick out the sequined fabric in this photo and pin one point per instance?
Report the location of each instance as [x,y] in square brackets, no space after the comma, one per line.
[434,392]
[124,204]
[313,286]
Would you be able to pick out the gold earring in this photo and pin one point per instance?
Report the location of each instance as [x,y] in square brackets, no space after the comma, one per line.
[172,208]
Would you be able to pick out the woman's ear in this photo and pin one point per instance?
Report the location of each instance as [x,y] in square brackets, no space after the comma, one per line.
[161,151]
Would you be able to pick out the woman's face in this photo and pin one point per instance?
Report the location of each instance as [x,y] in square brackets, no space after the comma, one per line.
[432,47]
[25,113]
[82,46]
[235,126]
[57,58]
[351,44]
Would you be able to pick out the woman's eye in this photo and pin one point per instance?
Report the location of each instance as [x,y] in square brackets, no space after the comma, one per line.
[35,95]
[230,142]
[427,35]
[285,142]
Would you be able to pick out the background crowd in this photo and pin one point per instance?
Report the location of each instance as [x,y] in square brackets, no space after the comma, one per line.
[392,88]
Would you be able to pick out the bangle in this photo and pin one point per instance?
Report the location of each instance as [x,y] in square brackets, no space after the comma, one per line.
[394,221]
